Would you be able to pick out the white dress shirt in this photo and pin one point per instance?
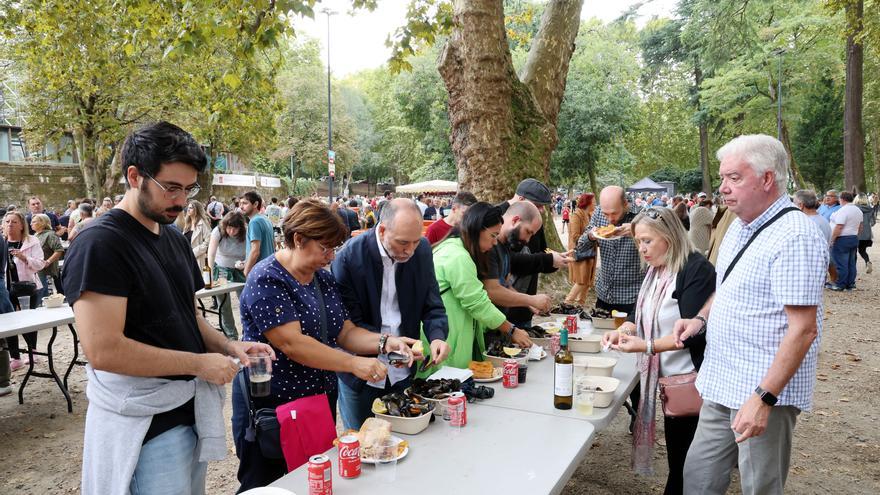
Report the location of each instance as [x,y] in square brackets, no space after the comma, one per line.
[389,310]
[785,266]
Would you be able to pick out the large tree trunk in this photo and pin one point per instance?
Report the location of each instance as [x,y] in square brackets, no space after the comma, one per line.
[796,176]
[875,146]
[853,135]
[704,131]
[90,164]
[114,171]
[504,128]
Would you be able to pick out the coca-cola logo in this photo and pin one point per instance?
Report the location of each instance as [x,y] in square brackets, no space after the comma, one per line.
[349,453]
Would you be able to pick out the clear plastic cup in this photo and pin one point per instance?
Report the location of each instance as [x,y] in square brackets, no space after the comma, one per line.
[24,302]
[386,461]
[584,395]
[260,374]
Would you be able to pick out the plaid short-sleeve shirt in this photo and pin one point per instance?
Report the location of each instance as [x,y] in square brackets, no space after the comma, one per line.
[784,266]
[620,271]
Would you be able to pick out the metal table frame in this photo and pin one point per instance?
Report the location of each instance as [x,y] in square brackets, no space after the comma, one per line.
[225,290]
[16,323]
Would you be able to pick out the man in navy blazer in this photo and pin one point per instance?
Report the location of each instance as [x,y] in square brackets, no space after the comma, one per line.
[386,277]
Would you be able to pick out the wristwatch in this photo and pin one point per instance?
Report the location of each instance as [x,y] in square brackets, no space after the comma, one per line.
[702,328]
[766,396]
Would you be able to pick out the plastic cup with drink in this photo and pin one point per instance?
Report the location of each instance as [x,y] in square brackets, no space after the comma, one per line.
[584,393]
[259,374]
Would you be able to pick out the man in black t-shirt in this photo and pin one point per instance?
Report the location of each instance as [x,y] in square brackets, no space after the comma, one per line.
[521,221]
[132,280]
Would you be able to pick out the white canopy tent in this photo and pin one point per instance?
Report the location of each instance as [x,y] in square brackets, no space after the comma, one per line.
[429,187]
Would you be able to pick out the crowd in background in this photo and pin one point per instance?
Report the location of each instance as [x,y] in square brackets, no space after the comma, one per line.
[451,272]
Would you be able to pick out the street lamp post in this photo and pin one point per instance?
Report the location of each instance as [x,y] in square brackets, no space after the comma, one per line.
[331,156]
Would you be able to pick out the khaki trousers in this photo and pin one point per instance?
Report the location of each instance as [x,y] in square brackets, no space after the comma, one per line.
[763,460]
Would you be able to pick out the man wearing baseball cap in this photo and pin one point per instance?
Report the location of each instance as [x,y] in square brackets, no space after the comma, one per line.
[531,260]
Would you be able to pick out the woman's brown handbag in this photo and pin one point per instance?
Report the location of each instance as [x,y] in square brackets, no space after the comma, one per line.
[679,395]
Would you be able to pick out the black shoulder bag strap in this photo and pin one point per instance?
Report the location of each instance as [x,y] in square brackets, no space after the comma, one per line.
[755,235]
[250,433]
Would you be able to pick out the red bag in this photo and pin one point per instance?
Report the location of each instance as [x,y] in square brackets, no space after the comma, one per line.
[307,429]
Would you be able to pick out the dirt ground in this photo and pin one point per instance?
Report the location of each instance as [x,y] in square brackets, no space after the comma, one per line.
[836,447]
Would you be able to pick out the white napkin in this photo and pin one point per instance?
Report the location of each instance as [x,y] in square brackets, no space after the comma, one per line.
[536,353]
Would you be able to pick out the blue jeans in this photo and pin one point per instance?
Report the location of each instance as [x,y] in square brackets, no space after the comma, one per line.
[356,407]
[168,465]
[843,254]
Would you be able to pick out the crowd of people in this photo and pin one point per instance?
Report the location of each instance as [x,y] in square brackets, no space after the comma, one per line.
[329,307]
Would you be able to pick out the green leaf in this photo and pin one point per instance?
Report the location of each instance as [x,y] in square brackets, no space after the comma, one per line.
[231,80]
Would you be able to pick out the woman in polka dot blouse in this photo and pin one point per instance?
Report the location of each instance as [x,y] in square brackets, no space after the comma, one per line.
[281,305]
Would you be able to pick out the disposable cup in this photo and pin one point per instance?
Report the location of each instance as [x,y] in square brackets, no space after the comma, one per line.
[260,374]
[24,302]
[386,461]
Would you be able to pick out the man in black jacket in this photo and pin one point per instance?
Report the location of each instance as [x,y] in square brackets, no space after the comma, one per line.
[386,278]
[531,259]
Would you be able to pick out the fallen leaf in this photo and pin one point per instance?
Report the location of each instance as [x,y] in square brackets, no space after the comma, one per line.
[844,399]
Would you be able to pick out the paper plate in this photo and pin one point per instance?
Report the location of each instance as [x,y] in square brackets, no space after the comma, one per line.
[399,456]
[497,374]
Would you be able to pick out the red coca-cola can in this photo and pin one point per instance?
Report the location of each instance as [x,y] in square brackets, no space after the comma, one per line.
[349,457]
[554,344]
[511,373]
[571,323]
[457,409]
[320,475]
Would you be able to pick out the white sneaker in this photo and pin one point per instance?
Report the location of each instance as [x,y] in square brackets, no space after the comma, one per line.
[870,268]
[5,391]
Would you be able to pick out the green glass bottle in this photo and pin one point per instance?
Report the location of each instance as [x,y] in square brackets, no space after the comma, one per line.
[563,374]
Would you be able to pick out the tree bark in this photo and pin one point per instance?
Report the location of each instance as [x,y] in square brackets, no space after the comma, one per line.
[796,176]
[503,129]
[853,135]
[875,146]
[704,131]
[90,165]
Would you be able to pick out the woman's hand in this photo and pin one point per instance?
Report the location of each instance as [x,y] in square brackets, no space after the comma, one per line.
[18,254]
[610,338]
[521,338]
[401,345]
[630,343]
[368,369]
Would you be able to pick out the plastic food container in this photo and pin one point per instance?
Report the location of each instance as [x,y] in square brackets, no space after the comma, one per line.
[408,426]
[595,366]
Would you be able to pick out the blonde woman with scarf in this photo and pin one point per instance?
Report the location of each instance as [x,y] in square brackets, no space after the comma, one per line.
[679,281]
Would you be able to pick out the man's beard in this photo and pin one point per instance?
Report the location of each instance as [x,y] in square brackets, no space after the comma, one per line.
[145,205]
[514,242]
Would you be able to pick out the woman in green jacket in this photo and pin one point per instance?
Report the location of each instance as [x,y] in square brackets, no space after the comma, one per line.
[459,262]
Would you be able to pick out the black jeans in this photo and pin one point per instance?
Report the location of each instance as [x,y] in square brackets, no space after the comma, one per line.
[679,435]
[863,250]
[254,470]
